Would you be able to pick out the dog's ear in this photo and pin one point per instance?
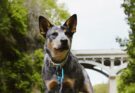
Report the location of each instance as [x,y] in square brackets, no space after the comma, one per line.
[44,25]
[71,23]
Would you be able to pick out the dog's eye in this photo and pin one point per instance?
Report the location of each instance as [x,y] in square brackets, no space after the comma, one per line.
[55,34]
[68,34]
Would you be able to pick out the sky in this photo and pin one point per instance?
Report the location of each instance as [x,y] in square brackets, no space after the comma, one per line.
[100,22]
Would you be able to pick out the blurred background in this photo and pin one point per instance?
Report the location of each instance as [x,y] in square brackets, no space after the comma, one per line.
[102,24]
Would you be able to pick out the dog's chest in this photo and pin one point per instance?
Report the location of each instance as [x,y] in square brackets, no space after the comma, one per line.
[73,75]
[51,80]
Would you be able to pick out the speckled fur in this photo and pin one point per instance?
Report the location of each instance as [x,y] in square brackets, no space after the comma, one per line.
[76,79]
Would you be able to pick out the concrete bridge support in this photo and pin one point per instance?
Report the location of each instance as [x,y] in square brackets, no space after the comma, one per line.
[112,85]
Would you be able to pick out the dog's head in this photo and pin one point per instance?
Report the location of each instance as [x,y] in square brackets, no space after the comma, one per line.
[58,39]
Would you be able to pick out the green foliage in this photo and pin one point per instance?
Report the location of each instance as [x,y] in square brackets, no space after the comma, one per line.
[57,14]
[21,56]
[101,88]
[123,42]
[24,74]
[13,29]
[130,88]
[127,79]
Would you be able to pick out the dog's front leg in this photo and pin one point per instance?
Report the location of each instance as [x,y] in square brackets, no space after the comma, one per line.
[52,86]
[68,86]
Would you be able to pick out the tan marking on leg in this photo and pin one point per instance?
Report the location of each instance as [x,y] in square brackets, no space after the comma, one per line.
[51,84]
[69,82]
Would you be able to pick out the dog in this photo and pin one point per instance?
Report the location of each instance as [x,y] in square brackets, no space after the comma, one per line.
[61,71]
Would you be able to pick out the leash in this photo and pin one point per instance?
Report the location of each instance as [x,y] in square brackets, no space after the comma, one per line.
[60,77]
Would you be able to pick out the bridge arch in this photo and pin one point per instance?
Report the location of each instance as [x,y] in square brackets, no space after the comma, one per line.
[89,66]
[110,61]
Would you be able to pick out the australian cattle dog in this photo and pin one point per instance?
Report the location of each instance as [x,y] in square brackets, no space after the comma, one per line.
[61,71]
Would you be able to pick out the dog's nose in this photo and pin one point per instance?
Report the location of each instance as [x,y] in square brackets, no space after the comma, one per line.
[64,41]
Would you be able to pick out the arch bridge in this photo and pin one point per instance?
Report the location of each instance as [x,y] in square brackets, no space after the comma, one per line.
[107,62]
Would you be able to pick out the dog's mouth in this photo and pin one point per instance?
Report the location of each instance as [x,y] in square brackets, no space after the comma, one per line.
[62,48]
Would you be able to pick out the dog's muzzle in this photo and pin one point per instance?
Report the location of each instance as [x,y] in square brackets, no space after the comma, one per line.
[64,45]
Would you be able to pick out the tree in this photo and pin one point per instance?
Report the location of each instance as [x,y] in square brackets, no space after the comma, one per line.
[127,78]
[20,53]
